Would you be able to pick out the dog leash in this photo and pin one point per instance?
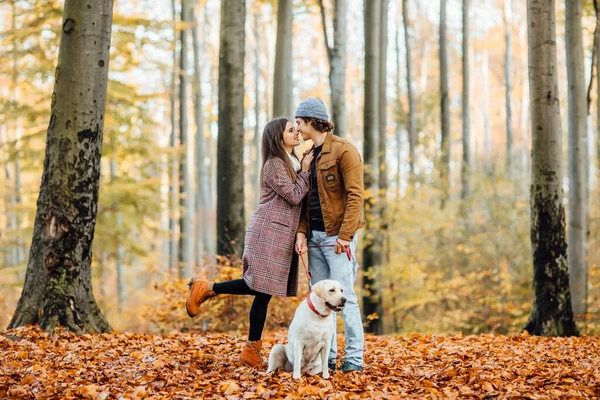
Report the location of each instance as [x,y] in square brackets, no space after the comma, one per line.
[308,276]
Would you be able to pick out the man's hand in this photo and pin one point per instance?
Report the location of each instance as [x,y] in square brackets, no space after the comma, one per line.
[301,247]
[341,246]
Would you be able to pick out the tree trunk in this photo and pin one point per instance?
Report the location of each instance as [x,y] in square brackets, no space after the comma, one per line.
[399,111]
[594,174]
[382,104]
[466,116]
[507,14]
[174,172]
[486,114]
[412,128]
[211,147]
[524,118]
[18,247]
[202,197]
[372,250]
[578,159]
[445,109]
[256,140]
[186,193]
[9,253]
[283,79]
[58,287]
[551,313]
[598,119]
[336,56]
[120,254]
[230,153]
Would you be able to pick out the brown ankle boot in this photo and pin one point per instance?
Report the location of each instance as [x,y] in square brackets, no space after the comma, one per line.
[199,293]
[251,354]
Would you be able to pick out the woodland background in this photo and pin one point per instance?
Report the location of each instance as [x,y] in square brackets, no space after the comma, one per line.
[442,270]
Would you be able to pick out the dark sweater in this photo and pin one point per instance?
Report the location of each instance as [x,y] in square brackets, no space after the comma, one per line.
[315,213]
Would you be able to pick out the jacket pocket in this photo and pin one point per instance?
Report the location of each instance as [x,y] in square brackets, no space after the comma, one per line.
[330,175]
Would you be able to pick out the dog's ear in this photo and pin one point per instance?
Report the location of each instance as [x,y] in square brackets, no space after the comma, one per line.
[319,289]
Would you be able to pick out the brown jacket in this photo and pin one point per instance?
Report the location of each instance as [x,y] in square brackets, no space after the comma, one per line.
[341,189]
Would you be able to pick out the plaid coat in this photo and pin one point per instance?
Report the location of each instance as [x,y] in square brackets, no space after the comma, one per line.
[269,261]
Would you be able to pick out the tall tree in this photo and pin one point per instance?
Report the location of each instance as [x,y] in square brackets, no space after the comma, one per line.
[551,313]
[18,248]
[399,111]
[597,47]
[336,56]
[466,116]
[487,131]
[382,102]
[173,168]
[592,178]
[578,158]
[524,117]
[444,160]
[230,153]
[373,249]
[186,192]
[256,140]
[282,81]
[202,197]
[412,128]
[507,17]
[58,287]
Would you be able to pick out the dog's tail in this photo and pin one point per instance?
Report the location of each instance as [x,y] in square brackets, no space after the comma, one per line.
[278,359]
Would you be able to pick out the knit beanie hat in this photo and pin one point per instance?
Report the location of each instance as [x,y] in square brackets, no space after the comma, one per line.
[312,108]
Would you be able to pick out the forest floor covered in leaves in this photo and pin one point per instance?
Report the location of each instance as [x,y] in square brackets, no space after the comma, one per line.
[35,364]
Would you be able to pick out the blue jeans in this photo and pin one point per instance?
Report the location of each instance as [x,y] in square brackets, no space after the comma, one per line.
[323,263]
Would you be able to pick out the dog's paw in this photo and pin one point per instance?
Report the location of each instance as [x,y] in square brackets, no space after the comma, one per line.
[296,376]
[326,374]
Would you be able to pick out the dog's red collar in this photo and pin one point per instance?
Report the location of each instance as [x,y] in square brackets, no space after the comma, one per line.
[312,306]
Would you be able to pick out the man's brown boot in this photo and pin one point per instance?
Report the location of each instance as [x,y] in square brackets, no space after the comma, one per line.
[199,293]
[251,354]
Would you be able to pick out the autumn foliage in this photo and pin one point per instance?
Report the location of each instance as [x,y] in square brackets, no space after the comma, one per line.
[39,365]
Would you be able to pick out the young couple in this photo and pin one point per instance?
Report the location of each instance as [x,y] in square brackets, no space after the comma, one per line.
[315,206]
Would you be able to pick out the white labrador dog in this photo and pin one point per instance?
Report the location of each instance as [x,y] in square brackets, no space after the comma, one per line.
[309,335]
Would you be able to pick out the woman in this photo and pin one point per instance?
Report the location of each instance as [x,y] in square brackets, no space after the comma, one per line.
[269,265]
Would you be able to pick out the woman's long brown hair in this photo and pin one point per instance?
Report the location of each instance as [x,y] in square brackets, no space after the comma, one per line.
[272,146]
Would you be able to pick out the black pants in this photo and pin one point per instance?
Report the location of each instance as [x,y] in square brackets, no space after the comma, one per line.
[258,311]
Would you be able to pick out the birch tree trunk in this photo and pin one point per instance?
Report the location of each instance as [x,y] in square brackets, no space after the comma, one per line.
[283,79]
[578,159]
[174,171]
[58,287]
[336,56]
[412,128]
[230,153]
[373,249]
[186,192]
[444,165]
[551,313]
[507,16]
[466,116]
[202,197]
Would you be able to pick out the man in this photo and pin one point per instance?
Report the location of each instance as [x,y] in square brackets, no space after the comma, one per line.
[332,214]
